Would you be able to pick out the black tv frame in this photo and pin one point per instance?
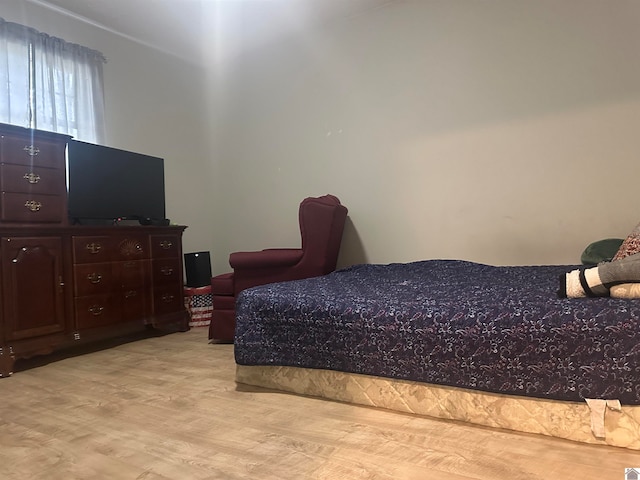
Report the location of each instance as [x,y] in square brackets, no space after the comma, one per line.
[111,186]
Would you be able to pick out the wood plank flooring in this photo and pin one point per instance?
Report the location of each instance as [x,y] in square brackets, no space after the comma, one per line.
[168,408]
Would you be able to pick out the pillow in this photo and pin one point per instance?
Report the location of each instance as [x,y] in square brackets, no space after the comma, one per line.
[600,251]
[630,245]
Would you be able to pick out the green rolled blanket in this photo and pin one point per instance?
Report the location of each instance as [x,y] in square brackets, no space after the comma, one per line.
[601,251]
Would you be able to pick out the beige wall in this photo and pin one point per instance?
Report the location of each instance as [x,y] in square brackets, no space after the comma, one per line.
[153,106]
[498,131]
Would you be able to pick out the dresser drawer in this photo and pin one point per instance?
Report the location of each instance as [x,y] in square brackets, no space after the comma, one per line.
[20,178]
[97,310]
[135,304]
[92,249]
[166,271]
[103,248]
[132,274]
[93,278]
[32,151]
[131,247]
[165,246]
[167,299]
[32,208]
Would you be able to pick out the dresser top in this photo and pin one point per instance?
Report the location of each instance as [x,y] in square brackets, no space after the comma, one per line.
[7,129]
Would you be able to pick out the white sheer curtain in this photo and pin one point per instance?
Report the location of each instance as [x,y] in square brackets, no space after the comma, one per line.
[50,84]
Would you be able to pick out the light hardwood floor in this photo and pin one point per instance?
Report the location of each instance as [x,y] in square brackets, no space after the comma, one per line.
[168,408]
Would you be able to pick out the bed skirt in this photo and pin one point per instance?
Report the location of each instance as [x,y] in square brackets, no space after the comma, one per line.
[562,419]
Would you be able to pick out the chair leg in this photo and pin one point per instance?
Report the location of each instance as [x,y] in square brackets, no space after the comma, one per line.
[223,326]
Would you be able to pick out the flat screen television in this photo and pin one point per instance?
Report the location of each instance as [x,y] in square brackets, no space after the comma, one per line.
[108,184]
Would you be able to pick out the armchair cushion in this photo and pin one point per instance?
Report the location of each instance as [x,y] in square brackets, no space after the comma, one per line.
[224,302]
[222,284]
[269,258]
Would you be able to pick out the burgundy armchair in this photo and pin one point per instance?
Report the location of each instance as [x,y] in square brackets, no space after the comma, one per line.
[321,224]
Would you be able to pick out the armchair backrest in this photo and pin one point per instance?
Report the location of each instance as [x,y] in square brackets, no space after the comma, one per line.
[321,225]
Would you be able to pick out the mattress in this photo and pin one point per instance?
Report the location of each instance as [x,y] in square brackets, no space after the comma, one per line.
[451,323]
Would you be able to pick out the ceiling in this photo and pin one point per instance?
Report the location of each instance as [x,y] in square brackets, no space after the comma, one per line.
[183,27]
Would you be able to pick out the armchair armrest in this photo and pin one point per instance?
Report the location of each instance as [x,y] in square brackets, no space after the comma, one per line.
[272,257]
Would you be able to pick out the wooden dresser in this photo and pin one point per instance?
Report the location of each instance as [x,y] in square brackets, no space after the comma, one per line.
[62,284]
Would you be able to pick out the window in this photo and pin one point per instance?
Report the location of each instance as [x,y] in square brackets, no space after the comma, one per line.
[50,84]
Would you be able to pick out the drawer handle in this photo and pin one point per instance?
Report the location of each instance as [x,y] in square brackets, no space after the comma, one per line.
[166,271]
[166,244]
[167,298]
[31,177]
[93,248]
[129,264]
[94,277]
[96,310]
[31,150]
[33,206]
[131,294]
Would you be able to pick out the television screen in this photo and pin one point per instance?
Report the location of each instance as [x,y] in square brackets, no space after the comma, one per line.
[108,184]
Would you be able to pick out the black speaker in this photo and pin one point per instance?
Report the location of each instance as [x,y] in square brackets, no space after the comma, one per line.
[198,269]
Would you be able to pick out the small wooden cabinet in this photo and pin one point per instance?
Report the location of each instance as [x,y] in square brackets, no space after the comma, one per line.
[63,284]
[32,176]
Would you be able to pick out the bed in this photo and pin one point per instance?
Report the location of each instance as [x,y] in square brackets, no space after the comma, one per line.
[491,345]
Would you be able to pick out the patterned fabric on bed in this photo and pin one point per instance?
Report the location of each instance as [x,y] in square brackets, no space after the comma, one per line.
[448,322]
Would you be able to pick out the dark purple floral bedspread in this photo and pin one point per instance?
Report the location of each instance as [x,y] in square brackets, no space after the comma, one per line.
[448,322]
